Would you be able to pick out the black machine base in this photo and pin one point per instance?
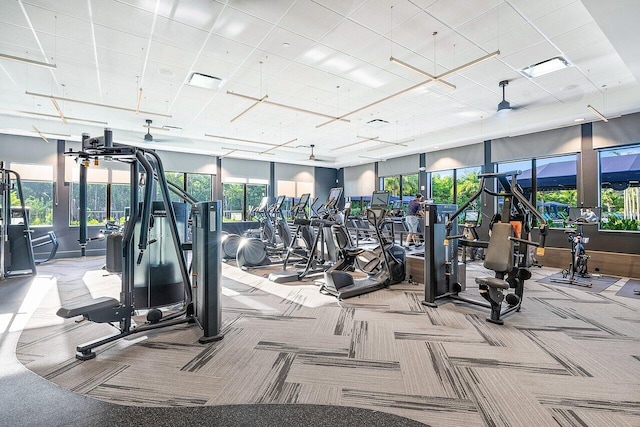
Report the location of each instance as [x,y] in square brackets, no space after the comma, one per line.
[205,340]
[284,276]
[342,285]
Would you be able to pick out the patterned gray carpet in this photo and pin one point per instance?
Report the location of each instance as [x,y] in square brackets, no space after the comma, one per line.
[571,357]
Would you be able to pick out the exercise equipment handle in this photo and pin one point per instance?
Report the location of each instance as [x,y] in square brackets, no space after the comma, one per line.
[526,242]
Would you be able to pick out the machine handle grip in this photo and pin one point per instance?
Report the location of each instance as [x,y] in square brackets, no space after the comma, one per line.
[526,242]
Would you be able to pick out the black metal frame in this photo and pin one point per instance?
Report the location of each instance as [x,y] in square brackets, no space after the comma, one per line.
[514,199]
[6,222]
[149,161]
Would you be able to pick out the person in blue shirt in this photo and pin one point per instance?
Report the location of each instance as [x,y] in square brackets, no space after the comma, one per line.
[414,213]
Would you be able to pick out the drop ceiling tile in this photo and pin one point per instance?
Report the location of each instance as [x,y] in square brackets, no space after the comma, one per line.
[19,41]
[59,24]
[242,27]
[295,44]
[414,33]
[122,17]
[534,10]
[123,42]
[563,19]
[585,35]
[270,11]
[12,14]
[342,7]
[309,19]
[76,8]
[493,24]
[457,12]
[200,14]
[348,37]
[122,61]
[179,35]
[227,50]
[378,16]
[170,56]
[65,48]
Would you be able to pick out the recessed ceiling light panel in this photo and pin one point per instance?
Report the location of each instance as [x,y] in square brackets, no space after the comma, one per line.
[204,81]
[545,67]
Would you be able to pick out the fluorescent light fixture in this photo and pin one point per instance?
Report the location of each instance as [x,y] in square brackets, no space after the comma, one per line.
[26,61]
[55,104]
[597,113]
[418,70]
[73,119]
[204,81]
[139,100]
[545,67]
[96,104]
[579,120]
[44,138]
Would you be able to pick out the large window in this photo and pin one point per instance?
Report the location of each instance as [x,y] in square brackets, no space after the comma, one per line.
[391,184]
[619,188]
[240,199]
[120,198]
[38,198]
[442,187]
[37,189]
[96,203]
[199,186]
[556,182]
[467,185]
[410,185]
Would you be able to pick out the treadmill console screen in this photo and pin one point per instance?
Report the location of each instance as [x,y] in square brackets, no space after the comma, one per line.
[471,216]
[304,199]
[380,199]
[279,202]
[334,195]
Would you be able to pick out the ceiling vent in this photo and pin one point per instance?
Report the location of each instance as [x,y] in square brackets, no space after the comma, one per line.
[545,67]
[377,123]
[204,81]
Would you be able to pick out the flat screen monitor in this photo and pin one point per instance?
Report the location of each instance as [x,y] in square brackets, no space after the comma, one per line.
[380,199]
[585,215]
[471,216]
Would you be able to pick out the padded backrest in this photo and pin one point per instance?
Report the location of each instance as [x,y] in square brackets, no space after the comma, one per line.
[499,253]
[342,239]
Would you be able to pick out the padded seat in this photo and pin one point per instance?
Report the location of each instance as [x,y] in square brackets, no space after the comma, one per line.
[492,282]
[87,307]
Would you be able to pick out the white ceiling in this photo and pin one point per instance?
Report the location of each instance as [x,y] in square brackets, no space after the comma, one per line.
[336,63]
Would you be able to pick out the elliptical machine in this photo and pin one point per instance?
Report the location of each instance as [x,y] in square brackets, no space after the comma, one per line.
[392,259]
[254,252]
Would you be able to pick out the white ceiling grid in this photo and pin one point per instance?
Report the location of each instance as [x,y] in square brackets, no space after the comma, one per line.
[329,57]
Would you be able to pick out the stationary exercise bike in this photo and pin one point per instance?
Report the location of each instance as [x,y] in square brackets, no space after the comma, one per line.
[578,265]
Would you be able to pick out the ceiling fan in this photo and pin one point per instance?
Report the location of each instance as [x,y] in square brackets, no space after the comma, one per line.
[504,104]
[312,157]
[148,137]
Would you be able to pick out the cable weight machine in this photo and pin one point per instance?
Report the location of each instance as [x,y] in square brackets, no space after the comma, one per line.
[135,243]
